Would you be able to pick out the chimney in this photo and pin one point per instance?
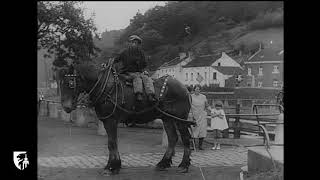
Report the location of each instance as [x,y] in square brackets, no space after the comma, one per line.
[182,55]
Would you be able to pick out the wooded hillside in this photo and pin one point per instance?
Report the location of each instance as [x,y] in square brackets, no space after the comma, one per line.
[213,25]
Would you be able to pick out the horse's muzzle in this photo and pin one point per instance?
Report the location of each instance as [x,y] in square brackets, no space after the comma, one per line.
[67,109]
[67,106]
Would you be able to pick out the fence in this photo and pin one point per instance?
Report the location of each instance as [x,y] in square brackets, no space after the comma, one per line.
[247,123]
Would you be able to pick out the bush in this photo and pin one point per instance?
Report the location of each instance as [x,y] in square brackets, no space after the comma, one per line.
[267,20]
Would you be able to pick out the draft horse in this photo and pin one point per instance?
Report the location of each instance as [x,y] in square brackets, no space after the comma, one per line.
[111,95]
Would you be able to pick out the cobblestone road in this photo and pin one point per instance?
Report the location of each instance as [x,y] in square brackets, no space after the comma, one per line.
[225,157]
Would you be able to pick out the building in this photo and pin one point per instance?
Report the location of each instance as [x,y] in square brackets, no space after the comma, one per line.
[204,70]
[174,66]
[210,70]
[264,69]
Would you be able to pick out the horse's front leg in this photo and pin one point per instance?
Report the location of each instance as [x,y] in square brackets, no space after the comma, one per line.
[114,163]
[172,141]
[185,136]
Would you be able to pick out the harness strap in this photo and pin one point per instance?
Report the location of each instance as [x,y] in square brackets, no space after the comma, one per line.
[106,81]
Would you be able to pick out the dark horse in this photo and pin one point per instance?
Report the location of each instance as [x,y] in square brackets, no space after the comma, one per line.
[112,98]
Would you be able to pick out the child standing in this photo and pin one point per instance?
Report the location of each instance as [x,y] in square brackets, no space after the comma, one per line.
[218,122]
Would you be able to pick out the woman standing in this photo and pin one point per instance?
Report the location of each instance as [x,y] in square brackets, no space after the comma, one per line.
[198,107]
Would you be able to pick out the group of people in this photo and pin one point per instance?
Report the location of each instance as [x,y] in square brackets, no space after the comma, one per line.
[200,109]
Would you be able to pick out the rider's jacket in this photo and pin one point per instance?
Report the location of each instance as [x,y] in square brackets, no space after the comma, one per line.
[133,59]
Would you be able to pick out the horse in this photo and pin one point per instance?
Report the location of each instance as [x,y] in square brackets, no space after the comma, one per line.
[111,95]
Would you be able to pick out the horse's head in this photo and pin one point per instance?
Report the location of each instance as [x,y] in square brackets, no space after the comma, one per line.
[69,86]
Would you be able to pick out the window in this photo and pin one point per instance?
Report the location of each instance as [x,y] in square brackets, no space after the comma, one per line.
[275,83]
[249,71]
[191,76]
[275,69]
[205,75]
[186,76]
[214,76]
[260,70]
[219,64]
[259,84]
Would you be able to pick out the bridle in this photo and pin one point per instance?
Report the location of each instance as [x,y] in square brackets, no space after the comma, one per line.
[106,71]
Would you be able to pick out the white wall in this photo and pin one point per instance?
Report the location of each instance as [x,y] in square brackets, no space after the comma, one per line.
[226,60]
[202,70]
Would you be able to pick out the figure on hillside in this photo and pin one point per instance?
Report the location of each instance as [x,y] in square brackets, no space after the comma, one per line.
[134,63]
[187,29]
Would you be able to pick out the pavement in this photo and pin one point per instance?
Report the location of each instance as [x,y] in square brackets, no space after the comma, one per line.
[69,152]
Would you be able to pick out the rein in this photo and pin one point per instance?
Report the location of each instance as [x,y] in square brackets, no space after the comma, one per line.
[116,83]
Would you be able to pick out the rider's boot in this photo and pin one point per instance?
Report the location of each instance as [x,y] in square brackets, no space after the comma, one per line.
[151,98]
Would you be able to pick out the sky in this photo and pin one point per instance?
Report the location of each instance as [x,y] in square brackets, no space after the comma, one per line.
[114,15]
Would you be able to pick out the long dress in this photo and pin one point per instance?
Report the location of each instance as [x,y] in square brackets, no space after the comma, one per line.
[200,115]
[217,122]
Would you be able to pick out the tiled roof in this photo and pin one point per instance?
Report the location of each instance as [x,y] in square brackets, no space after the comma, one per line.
[173,62]
[228,70]
[267,54]
[202,61]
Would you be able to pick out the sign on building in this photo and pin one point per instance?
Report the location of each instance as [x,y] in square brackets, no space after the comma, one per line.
[199,78]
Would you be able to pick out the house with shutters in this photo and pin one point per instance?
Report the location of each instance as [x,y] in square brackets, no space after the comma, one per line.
[204,70]
[264,69]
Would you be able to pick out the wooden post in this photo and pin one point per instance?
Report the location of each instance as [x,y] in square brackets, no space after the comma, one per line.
[48,111]
[226,131]
[237,122]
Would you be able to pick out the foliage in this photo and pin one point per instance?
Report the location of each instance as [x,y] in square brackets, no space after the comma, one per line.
[63,31]
[267,20]
[169,21]
[162,28]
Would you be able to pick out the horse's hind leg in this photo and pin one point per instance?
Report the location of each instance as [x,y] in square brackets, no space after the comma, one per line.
[185,136]
[172,141]
[114,162]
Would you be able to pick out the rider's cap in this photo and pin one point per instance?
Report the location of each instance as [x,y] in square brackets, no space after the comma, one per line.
[135,37]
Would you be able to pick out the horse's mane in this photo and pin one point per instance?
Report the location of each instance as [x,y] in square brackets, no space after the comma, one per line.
[88,69]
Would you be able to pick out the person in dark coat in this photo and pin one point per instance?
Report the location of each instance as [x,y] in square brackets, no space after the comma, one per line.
[133,63]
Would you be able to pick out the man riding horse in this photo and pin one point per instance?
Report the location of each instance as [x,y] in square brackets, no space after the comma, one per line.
[134,63]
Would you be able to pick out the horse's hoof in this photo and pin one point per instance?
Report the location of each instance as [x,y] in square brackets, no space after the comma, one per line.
[115,171]
[183,170]
[105,172]
[160,168]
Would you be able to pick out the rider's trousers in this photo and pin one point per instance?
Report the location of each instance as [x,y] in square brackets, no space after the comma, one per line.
[141,79]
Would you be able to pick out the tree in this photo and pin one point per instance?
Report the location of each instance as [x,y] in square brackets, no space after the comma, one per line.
[63,31]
